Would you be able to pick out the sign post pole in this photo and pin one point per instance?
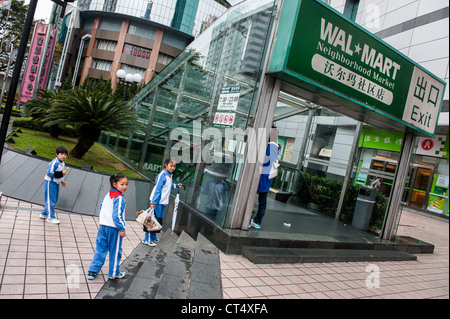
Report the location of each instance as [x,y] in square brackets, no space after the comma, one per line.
[16,74]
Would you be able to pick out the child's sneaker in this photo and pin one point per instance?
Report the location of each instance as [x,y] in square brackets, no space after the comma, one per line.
[43,216]
[53,220]
[153,243]
[120,276]
[145,242]
[91,275]
[254,225]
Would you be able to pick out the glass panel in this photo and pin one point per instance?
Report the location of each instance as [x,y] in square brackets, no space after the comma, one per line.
[185,96]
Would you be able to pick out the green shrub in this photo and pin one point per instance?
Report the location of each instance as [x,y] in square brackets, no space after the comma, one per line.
[14,112]
[326,193]
[32,124]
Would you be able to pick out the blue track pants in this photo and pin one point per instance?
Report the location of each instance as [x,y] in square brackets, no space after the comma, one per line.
[51,193]
[108,240]
[159,213]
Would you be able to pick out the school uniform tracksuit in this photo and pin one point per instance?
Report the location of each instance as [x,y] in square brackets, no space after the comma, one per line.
[160,197]
[112,222]
[53,179]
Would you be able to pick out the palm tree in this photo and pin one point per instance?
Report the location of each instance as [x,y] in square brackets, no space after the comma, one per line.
[38,107]
[90,112]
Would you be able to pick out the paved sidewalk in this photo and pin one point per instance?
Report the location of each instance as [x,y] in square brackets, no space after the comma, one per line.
[428,277]
[42,260]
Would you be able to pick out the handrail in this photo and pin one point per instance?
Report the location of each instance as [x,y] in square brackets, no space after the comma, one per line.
[289,178]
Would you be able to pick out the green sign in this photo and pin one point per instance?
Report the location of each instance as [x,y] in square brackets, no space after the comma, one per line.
[324,53]
[383,140]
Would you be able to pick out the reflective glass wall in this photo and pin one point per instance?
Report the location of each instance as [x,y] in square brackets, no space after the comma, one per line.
[177,110]
[189,16]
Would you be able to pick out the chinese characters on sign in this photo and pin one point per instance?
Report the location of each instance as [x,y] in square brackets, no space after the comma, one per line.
[224,118]
[337,60]
[229,98]
[34,61]
[353,80]
[383,140]
[5,4]
[423,101]
[228,101]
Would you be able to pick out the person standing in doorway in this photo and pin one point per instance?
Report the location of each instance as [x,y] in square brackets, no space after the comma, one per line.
[264,181]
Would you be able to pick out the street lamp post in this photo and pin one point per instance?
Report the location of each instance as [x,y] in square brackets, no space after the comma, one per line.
[128,78]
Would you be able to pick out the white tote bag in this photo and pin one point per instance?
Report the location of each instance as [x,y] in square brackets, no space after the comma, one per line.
[274,170]
[148,219]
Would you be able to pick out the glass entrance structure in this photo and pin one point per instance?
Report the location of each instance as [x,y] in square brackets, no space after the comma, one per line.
[212,109]
[183,99]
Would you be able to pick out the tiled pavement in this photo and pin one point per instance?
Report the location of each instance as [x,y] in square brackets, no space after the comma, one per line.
[42,260]
[428,277]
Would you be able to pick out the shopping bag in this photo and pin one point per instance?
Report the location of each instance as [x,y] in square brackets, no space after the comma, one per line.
[148,219]
[274,170]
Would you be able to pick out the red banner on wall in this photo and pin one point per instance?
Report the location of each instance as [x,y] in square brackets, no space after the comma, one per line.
[35,55]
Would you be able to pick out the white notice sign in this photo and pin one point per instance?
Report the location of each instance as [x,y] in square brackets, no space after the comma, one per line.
[224,118]
[229,98]
[423,101]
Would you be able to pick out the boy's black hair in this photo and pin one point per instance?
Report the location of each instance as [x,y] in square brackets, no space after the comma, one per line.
[62,149]
[116,177]
[168,161]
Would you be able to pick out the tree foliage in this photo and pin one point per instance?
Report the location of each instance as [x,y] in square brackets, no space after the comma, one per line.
[90,109]
[11,25]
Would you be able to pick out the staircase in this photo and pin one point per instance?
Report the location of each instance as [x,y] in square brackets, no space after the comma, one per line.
[177,268]
[270,255]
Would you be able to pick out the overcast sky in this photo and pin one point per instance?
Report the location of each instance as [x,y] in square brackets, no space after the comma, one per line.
[43,9]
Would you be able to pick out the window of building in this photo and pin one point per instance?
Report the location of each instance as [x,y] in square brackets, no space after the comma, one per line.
[142,30]
[106,45]
[102,65]
[111,24]
[133,70]
[164,58]
[174,40]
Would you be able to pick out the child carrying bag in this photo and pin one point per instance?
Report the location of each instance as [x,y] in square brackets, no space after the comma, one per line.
[147,218]
[274,170]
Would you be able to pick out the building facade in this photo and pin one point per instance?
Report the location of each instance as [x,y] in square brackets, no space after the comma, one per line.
[418,29]
[223,80]
[140,37]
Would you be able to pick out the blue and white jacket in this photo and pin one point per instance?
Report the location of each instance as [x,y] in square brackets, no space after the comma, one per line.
[161,192]
[54,171]
[271,157]
[112,210]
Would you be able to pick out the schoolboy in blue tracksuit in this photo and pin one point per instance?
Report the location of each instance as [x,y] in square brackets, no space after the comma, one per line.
[111,230]
[159,198]
[54,178]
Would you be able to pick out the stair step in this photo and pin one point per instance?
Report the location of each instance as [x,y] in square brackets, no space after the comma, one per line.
[116,289]
[177,268]
[147,280]
[175,279]
[206,282]
[269,255]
